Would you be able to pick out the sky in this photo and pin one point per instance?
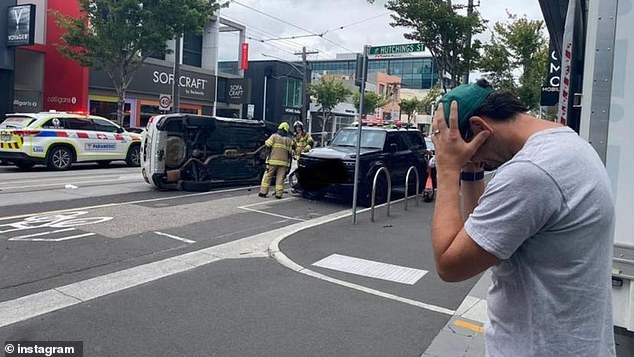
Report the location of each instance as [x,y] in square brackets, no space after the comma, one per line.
[363,23]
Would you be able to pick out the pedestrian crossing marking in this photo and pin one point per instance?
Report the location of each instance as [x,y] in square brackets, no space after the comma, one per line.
[372,269]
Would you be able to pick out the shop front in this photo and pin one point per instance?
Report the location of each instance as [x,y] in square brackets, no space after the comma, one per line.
[153,80]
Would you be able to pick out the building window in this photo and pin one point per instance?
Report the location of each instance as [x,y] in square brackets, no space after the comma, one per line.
[293,89]
[221,91]
[192,49]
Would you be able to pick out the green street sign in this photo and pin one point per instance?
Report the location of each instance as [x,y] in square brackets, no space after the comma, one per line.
[396,49]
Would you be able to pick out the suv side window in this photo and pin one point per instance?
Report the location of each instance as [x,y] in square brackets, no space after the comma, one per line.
[102,125]
[78,124]
[416,140]
[395,138]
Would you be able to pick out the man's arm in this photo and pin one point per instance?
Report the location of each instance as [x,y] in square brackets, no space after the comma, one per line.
[457,256]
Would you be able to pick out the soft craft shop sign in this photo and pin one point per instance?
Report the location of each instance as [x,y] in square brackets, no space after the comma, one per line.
[154,79]
[21,25]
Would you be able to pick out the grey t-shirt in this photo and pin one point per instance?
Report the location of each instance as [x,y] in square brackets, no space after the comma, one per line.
[548,215]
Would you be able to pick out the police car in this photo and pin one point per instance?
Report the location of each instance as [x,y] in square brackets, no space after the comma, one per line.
[58,139]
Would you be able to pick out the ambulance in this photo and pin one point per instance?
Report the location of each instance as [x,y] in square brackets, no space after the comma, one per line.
[59,139]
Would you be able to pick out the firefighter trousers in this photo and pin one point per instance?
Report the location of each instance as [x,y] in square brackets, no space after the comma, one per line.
[279,172]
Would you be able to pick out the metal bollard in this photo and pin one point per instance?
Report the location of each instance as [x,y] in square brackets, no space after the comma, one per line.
[409,171]
[389,191]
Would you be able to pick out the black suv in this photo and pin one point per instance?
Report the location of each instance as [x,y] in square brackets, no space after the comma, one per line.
[330,170]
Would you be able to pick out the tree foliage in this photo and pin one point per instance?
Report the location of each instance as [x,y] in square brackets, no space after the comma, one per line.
[327,93]
[445,33]
[430,99]
[371,101]
[517,46]
[410,107]
[116,36]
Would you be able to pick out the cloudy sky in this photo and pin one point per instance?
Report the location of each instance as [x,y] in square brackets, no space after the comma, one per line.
[362,23]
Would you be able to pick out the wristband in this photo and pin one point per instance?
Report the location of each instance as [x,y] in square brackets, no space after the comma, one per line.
[472,176]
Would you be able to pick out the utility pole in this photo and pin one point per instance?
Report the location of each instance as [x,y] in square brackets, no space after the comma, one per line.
[465,76]
[305,98]
[176,98]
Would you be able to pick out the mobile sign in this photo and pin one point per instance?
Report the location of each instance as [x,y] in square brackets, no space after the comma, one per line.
[21,25]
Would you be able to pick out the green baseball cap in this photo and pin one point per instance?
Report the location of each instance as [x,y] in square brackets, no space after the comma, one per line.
[469,98]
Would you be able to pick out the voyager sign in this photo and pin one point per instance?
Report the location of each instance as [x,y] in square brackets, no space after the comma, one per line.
[154,79]
[21,25]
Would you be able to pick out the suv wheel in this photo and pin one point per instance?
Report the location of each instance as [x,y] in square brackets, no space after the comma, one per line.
[381,192]
[134,156]
[59,158]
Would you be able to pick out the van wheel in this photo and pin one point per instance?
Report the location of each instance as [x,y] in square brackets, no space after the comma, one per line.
[60,158]
[134,156]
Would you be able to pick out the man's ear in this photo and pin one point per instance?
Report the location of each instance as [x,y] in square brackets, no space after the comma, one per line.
[478,124]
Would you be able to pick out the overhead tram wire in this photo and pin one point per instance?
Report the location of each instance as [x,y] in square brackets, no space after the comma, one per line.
[264,33]
[292,45]
[291,24]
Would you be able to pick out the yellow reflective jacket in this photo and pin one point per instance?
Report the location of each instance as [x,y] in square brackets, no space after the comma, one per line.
[302,144]
[280,149]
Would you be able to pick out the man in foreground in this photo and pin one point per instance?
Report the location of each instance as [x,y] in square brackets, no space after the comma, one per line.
[543,223]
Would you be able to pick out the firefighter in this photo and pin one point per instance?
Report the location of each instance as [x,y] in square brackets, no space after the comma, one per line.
[302,141]
[280,149]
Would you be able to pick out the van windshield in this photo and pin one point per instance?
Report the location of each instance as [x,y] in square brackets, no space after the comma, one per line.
[16,122]
[370,139]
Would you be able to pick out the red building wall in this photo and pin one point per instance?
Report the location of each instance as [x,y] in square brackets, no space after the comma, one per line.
[65,81]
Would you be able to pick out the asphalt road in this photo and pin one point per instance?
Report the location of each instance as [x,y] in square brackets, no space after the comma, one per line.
[132,271]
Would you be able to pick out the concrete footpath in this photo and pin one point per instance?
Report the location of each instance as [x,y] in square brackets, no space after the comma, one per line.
[402,239]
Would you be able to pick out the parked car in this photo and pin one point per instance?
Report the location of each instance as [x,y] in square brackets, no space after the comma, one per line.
[58,139]
[330,170]
[195,153]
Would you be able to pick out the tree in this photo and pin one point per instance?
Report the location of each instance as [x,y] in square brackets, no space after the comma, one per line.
[371,101]
[430,99]
[444,32]
[328,93]
[410,107]
[116,36]
[517,46]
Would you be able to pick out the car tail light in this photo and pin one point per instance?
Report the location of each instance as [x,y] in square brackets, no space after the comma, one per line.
[27,132]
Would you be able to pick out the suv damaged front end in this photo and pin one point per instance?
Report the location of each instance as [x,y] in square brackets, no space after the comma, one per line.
[196,153]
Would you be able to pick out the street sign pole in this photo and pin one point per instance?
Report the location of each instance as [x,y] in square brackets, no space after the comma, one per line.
[364,75]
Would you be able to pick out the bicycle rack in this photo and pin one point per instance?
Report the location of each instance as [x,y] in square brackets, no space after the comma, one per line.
[416,194]
[389,191]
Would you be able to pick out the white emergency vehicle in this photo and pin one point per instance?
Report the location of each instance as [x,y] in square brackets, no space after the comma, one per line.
[58,139]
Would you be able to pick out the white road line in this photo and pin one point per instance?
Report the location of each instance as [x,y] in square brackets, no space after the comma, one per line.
[59,239]
[111,181]
[270,202]
[105,205]
[42,234]
[272,214]
[175,237]
[66,178]
[371,269]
